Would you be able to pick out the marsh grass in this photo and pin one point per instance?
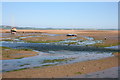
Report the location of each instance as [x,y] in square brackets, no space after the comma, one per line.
[8,52]
[57,60]
[71,43]
[29,68]
[24,64]
[7,40]
[47,41]
[37,67]
[105,45]
[24,49]
[78,73]
[19,58]
[49,65]
[3,48]
[18,70]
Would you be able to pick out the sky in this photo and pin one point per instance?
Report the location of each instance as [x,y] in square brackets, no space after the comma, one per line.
[95,15]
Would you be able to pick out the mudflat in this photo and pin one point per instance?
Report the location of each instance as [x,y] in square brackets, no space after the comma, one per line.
[65,70]
[78,68]
[110,35]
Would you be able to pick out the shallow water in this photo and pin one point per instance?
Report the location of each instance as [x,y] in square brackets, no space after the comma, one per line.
[35,61]
[51,51]
[114,47]
[80,42]
[51,47]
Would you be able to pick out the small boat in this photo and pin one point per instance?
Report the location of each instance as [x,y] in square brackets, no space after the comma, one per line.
[71,35]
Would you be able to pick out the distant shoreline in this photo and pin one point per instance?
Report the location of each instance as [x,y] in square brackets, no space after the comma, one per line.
[50,28]
[57,29]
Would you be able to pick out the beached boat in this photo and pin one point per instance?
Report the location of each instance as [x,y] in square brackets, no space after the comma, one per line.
[71,35]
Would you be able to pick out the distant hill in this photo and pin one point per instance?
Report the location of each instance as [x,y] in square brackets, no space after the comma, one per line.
[5,27]
[30,28]
[9,27]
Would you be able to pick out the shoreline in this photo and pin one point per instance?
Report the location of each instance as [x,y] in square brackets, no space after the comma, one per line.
[66,70]
[56,31]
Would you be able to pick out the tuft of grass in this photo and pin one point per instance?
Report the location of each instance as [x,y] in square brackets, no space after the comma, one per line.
[18,70]
[37,67]
[4,48]
[56,60]
[24,49]
[71,43]
[19,58]
[104,44]
[7,40]
[24,64]
[78,73]
[47,41]
[49,65]
[81,41]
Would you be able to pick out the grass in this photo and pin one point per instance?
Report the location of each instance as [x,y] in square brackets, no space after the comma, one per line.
[9,53]
[44,65]
[37,67]
[39,40]
[71,43]
[24,49]
[19,58]
[56,60]
[1,47]
[33,67]
[116,53]
[49,65]
[80,41]
[24,65]
[78,73]
[18,70]
[104,45]
[7,40]
[47,41]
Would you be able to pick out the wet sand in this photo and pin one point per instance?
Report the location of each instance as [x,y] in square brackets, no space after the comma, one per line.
[107,73]
[13,54]
[111,35]
[9,53]
[67,70]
